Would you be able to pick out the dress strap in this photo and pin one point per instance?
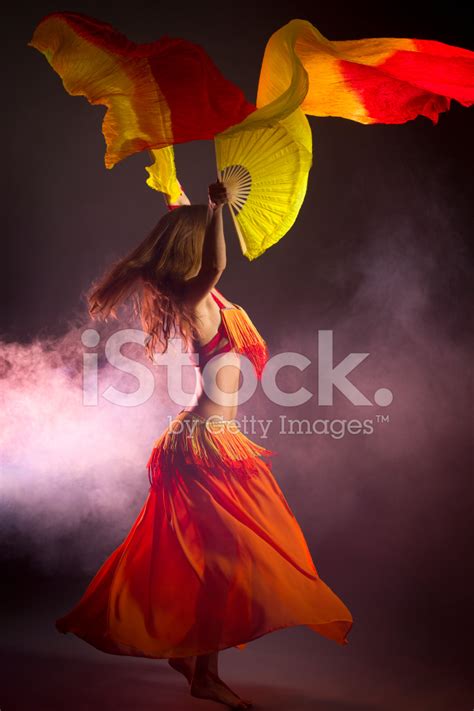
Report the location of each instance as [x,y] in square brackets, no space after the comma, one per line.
[218,300]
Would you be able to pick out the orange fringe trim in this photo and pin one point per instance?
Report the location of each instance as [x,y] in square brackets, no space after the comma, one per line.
[216,445]
[245,338]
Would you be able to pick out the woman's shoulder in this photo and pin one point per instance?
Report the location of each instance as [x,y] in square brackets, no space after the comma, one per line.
[213,295]
[219,297]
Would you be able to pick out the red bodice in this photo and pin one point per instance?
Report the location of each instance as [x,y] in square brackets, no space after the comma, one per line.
[237,333]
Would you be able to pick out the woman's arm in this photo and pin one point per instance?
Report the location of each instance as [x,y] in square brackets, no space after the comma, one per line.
[213,260]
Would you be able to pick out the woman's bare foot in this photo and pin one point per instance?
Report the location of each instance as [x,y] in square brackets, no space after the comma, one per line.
[183,665]
[216,677]
[210,686]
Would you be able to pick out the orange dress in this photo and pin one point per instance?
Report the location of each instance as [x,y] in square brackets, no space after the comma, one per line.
[216,557]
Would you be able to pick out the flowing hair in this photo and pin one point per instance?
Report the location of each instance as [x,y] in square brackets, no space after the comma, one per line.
[154,274]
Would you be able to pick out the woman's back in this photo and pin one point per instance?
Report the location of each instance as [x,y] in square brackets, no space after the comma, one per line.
[218,382]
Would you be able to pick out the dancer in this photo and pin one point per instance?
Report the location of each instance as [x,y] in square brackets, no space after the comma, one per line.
[216,557]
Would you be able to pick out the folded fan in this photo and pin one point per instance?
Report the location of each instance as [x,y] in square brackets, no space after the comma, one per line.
[273,146]
[265,171]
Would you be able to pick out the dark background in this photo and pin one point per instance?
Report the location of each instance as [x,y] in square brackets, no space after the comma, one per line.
[380,254]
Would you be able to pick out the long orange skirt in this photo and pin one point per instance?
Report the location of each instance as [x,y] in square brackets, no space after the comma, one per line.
[215,558]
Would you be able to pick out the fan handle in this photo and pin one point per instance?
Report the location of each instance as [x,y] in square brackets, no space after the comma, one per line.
[243,246]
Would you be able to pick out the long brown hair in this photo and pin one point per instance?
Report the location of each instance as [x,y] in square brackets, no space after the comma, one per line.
[154,274]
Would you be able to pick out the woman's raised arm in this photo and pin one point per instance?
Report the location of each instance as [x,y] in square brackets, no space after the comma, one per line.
[213,260]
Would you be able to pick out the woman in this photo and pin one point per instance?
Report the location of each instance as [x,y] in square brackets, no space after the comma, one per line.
[216,557]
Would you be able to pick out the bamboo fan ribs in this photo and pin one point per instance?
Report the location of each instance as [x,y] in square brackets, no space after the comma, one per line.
[238,182]
[265,171]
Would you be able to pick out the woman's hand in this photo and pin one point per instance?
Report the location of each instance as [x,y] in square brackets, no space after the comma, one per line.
[217,195]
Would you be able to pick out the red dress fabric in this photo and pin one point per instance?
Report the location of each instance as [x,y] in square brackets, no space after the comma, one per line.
[215,558]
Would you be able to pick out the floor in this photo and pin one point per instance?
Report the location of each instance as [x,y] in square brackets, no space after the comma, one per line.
[292,669]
